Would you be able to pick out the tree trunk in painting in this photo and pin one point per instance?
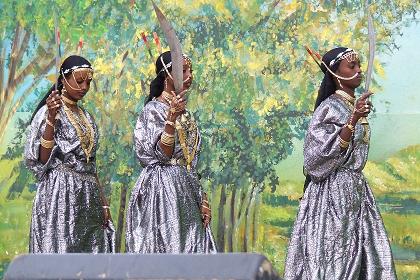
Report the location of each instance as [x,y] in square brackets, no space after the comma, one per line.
[121,211]
[39,66]
[254,221]
[232,220]
[221,220]
[246,217]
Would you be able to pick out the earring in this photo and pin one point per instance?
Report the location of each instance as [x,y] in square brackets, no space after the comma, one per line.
[166,84]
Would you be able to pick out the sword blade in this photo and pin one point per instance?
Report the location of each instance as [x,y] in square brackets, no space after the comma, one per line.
[372,43]
[174,46]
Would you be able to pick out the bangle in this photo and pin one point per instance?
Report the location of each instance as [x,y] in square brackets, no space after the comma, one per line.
[170,123]
[205,207]
[47,144]
[350,127]
[167,139]
[50,123]
[343,143]
[105,206]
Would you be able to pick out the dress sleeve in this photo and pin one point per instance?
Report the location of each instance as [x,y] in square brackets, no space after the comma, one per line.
[149,127]
[33,142]
[322,152]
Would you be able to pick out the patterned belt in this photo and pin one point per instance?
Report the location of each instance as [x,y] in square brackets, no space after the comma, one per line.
[83,176]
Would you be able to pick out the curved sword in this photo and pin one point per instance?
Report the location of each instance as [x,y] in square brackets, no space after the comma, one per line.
[372,43]
[174,46]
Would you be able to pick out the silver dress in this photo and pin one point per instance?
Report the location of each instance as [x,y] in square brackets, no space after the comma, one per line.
[163,215]
[338,232]
[67,213]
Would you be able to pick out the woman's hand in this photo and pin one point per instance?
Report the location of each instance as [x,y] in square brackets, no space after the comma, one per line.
[178,104]
[205,210]
[53,103]
[363,106]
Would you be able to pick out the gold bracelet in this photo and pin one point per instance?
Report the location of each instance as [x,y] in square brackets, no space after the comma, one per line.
[167,135]
[343,143]
[170,123]
[350,127]
[47,144]
[50,123]
[168,144]
[167,139]
[205,207]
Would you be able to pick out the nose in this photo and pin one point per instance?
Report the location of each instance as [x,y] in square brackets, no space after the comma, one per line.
[84,85]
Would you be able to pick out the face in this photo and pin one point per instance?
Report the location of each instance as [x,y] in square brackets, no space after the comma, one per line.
[77,84]
[187,75]
[349,69]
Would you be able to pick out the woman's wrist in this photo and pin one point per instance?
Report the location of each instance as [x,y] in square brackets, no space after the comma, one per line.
[353,119]
[51,116]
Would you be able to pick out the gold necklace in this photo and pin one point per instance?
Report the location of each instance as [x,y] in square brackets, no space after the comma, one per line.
[188,137]
[347,97]
[167,97]
[86,136]
[68,100]
[363,121]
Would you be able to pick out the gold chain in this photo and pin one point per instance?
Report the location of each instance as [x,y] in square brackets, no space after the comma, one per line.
[168,97]
[86,136]
[347,98]
[188,136]
[68,100]
[350,101]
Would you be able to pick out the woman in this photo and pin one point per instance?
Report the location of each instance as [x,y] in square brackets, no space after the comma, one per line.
[168,212]
[338,233]
[70,213]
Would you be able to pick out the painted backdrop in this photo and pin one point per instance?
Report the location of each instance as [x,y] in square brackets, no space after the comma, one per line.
[253,94]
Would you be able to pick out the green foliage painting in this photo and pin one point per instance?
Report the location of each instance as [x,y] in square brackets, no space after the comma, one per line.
[253,94]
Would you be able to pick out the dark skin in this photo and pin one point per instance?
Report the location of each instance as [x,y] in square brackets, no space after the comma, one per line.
[363,105]
[179,103]
[75,88]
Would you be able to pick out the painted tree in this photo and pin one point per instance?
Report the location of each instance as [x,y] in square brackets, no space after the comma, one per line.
[27,49]
[253,92]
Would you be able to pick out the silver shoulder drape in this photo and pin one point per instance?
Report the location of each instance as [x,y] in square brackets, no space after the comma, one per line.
[67,213]
[163,214]
[338,232]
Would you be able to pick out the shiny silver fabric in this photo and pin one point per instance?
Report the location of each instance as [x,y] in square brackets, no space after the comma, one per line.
[163,214]
[67,213]
[338,232]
